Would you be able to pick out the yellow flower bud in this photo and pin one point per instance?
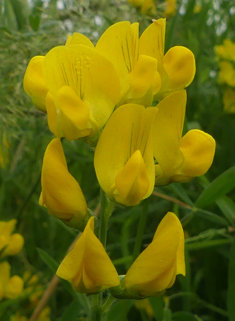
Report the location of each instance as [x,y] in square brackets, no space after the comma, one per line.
[61,193]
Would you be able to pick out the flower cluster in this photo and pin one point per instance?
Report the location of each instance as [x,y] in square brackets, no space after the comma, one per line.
[10,244]
[125,97]
[226,55]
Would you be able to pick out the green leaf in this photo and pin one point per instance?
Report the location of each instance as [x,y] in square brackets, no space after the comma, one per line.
[157,305]
[231,284]
[207,244]
[118,310]
[185,316]
[34,21]
[72,312]
[217,188]
[227,207]
[178,189]
[167,315]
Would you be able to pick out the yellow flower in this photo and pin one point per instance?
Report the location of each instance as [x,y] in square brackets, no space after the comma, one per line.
[141,65]
[10,287]
[45,314]
[226,73]
[124,155]
[229,100]
[170,8]
[10,244]
[227,50]
[61,193]
[145,6]
[78,87]
[176,67]
[179,159]
[156,267]
[87,266]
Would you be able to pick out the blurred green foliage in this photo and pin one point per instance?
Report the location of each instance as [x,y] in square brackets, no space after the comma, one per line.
[205,206]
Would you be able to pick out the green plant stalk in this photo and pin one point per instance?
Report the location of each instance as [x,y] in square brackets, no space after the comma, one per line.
[106,208]
[140,231]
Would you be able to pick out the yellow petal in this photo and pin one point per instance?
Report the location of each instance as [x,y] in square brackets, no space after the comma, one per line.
[152,272]
[179,63]
[15,244]
[143,77]
[5,269]
[34,83]
[6,228]
[167,131]
[14,287]
[52,116]
[61,193]
[78,39]
[132,181]
[119,44]
[127,130]
[198,149]
[87,265]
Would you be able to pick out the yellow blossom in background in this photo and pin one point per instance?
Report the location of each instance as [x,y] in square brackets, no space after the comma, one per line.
[226,73]
[61,193]
[78,87]
[124,155]
[87,266]
[229,100]
[10,244]
[179,159]
[32,287]
[155,269]
[226,50]
[145,6]
[170,8]
[10,287]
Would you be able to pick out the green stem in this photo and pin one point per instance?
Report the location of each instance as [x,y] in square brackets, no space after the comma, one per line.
[106,208]
[140,231]
[107,304]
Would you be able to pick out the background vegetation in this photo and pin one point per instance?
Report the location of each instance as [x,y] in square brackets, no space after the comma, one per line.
[205,205]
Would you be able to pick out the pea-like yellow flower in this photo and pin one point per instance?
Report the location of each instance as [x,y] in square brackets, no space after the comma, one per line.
[144,71]
[76,85]
[10,287]
[87,266]
[145,6]
[123,159]
[226,50]
[176,67]
[10,244]
[170,8]
[61,193]
[155,269]
[226,73]
[179,159]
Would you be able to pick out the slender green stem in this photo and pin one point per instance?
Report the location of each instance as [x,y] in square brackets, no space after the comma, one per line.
[140,231]
[107,304]
[106,208]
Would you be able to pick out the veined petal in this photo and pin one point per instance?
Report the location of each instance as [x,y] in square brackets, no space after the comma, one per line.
[119,44]
[132,181]
[198,149]
[155,268]
[78,39]
[87,265]
[89,74]
[179,63]
[167,131]
[127,130]
[34,83]
[61,193]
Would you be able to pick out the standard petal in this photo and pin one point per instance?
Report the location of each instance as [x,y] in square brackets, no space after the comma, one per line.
[78,39]
[61,193]
[179,63]
[153,270]
[128,130]
[119,44]
[34,83]
[198,149]
[167,131]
